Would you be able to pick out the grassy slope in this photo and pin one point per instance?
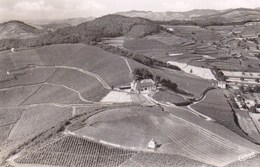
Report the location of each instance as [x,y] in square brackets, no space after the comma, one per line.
[89,87]
[34,121]
[111,68]
[216,106]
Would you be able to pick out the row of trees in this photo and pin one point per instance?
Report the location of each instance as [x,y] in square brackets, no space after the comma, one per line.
[218,73]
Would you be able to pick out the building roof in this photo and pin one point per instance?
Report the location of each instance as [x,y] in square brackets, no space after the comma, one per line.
[147,81]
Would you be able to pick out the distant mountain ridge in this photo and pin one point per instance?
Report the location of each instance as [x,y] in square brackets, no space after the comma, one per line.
[166,16]
[239,14]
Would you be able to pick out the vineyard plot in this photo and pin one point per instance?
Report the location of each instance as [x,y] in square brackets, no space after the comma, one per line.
[72,151]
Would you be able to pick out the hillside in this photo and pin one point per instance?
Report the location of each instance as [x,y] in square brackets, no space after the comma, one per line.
[75,21]
[108,26]
[53,26]
[229,16]
[166,16]
[94,31]
[17,29]
[199,16]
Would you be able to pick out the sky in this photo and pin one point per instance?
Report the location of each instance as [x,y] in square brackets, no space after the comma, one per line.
[59,9]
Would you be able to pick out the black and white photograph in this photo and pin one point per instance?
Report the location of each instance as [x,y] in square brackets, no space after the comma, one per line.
[129,83]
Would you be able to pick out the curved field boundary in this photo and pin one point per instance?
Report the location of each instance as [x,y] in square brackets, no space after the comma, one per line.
[198,142]
[105,85]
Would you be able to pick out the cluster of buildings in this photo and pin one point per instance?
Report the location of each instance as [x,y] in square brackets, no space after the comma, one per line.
[249,102]
[142,86]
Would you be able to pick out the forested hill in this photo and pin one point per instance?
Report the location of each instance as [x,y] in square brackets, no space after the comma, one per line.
[106,26]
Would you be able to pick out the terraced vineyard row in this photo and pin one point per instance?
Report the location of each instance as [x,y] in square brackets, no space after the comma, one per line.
[201,144]
[73,151]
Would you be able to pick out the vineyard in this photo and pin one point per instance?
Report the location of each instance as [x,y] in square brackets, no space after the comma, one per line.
[162,160]
[111,68]
[57,54]
[198,142]
[216,106]
[35,120]
[72,151]
[89,87]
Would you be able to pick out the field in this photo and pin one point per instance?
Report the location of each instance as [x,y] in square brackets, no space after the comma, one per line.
[52,94]
[8,118]
[216,106]
[89,87]
[57,54]
[34,121]
[126,127]
[161,160]
[16,95]
[73,151]
[247,125]
[256,120]
[149,47]
[111,68]
[168,96]
[132,128]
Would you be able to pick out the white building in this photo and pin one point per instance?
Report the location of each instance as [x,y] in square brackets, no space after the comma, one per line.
[12,49]
[250,103]
[143,85]
[152,144]
[222,85]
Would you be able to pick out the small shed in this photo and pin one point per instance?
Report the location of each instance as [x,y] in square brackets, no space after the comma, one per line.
[12,49]
[152,144]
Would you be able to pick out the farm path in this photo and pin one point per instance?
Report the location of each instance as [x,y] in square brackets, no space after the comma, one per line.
[183,108]
[203,141]
[100,79]
[73,90]
[129,68]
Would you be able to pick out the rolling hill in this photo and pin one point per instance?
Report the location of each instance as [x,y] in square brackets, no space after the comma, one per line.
[232,15]
[93,31]
[166,16]
[199,16]
[17,29]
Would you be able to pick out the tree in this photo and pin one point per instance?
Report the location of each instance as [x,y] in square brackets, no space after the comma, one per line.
[256,89]
[242,89]
[252,109]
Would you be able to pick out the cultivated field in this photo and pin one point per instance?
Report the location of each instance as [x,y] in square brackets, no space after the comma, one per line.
[256,119]
[161,160]
[132,128]
[111,68]
[247,125]
[73,151]
[57,54]
[35,120]
[168,96]
[216,106]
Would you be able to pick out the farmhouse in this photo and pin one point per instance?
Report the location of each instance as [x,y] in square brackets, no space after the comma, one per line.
[143,85]
[222,84]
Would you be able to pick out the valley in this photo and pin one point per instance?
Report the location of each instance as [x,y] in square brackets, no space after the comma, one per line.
[122,90]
